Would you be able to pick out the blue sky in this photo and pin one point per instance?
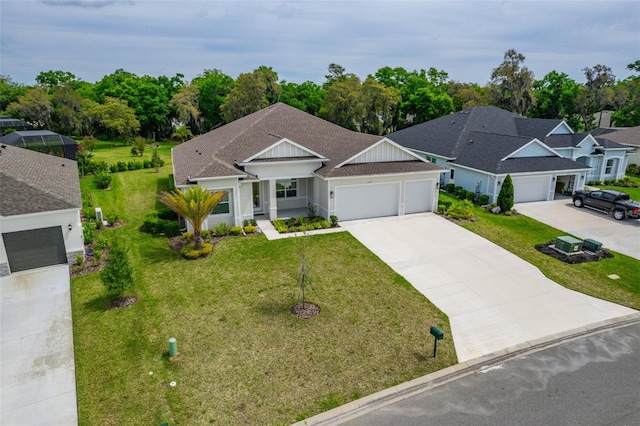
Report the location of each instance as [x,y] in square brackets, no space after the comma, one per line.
[299,39]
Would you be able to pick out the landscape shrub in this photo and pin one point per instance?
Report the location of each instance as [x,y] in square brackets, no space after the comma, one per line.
[222,229]
[113,168]
[187,236]
[89,212]
[461,193]
[152,224]
[205,234]
[442,209]
[191,253]
[506,195]
[89,231]
[462,210]
[100,167]
[445,203]
[167,214]
[250,222]
[633,169]
[111,218]
[79,260]
[483,199]
[450,188]
[249,229]
[138,165]
[334,221]
[146,164]
[471,196]
[280,226]
[102,180]
[122,166]
[235,230]
[131,165]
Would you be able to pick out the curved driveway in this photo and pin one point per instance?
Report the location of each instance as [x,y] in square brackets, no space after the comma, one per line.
[495,301]
[621,236]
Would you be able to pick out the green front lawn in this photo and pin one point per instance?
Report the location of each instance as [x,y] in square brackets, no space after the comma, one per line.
[244,358]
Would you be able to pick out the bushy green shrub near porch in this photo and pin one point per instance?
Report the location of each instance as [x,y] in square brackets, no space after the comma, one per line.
[249,229]
[462,210]
[303,224]
[221,229]
[483,199]
[154,225]
[235,230]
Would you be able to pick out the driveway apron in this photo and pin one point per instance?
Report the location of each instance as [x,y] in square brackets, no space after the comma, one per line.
[622,236]
[36,349]
[495,300]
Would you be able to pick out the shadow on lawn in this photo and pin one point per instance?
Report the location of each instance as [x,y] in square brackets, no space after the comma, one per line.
[99,304]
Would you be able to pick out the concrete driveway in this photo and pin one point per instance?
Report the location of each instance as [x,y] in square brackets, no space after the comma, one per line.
[495,300]
[622,236]
[36,349]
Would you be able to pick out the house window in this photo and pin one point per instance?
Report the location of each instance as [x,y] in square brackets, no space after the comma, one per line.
[223,205]
[287,188]
[430,158]
[607,170]
[452,172]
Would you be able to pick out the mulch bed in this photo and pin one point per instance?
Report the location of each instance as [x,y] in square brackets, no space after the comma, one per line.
[305,310]
[581,257]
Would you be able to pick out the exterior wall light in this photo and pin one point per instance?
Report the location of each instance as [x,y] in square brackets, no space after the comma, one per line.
[70,227]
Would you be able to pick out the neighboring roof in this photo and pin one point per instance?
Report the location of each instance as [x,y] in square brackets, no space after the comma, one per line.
[33,182]
[629,136]
[220,152]
[483,138]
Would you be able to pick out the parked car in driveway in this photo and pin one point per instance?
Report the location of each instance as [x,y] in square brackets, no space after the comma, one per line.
[616,203]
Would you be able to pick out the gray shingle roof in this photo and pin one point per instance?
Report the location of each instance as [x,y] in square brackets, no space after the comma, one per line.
[481,137]
[33,182]
[218,152]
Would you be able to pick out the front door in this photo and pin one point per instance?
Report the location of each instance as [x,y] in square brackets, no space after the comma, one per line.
[257,198]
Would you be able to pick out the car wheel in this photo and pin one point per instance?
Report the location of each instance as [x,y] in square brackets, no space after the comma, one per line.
[578,202]
[618,214]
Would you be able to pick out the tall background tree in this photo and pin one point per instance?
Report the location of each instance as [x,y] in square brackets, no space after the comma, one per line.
[214,86]
[596,94]
[512,84]
[556,97]
[627,99]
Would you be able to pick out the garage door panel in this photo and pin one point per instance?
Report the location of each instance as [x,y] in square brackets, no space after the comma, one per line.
[363,201]
[528,189]
[418,196]
[35,248]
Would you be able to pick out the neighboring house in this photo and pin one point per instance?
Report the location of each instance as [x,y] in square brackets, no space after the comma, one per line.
[280,159]
[482,145]
[39,210]
[44,141]
[629,137]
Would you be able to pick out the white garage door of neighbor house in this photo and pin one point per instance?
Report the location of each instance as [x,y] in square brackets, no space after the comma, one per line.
[418,196]
[34,248]
[364,201]
[527,189]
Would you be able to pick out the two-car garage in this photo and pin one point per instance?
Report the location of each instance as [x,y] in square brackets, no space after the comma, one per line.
[377,199]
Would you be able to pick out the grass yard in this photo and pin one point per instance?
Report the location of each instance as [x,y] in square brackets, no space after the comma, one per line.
[244,358]
[634,193]
[520,234]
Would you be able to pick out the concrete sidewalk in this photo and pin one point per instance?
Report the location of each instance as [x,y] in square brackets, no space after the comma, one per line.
[37,381]
[495,300]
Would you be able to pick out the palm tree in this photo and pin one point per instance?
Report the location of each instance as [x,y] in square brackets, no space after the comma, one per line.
[194,205]
[182,133]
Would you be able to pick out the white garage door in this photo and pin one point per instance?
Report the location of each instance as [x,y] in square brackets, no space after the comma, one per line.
[363,201]
[527,189]
[418,196]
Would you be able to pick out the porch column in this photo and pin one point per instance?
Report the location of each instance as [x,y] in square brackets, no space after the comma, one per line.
[273,201]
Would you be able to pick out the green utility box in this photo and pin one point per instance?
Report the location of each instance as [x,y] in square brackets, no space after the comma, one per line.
[568,244]
[592,245]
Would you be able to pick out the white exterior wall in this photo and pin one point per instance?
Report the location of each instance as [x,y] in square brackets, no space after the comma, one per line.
[232,187]
[73,239]
[246,202]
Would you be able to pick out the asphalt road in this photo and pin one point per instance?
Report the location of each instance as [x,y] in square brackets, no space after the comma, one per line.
[593,380]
